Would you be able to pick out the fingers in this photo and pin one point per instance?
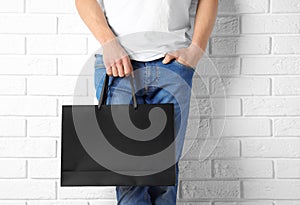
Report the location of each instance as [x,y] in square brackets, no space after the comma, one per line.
[121,68]
[168,57]
[127,67]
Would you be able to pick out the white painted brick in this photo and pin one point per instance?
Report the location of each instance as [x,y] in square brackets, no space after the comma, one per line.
[194,203]
[288,169]
[245,203]
[218,66]
[202,130]
[28,24]
[216,107]
[56,85]
[271,147]
[51,44]
[241,127]
[103,202]
[243,6]
[72,24]
[93,45]
[38,127]
[226,25]
[27,65]
[12,168]
[12,6]
[240,45]
[30,106]
[210,149]
[55,6]
[270,24]
[10,127]
[107,192]
[81,65]
[200,87]
[270,65]
[243,168]
[12,44]
[286,44]
[287,6]
[44,168]
[12,85]
[210,189]
[27,148]
[13,202]
[194,169]
[25,189]
[271,189]
[286,86]
[271,106]
[287,127]
[57,202]
[240,86]
[283,202]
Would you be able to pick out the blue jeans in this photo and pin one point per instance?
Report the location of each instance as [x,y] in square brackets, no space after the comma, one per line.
[160,83]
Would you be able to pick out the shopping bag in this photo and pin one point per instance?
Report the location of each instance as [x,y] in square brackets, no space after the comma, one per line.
[96,152]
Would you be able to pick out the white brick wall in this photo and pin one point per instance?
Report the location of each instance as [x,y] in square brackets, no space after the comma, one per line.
[255,47]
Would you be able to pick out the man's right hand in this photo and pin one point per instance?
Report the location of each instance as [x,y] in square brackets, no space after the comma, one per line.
[116,60]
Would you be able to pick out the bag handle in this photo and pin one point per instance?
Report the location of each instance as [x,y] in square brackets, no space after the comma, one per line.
[103,96]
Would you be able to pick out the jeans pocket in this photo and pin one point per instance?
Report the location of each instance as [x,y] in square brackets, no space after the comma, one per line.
[99,61]
[184,66]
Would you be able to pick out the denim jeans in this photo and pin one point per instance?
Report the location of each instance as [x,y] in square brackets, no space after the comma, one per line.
[160,83]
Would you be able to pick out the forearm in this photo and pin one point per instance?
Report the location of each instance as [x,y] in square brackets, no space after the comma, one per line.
[204,22]
[93,16]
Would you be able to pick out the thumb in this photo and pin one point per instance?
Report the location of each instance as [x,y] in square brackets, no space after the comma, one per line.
[167,58]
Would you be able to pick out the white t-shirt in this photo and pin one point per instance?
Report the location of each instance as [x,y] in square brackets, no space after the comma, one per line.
[147,29]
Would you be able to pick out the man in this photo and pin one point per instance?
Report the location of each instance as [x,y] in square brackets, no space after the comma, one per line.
[154,34]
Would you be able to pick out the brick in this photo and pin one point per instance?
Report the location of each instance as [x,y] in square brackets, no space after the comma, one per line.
[12,44]
[270,65]
[39,127]
[288,168]
[27,65]
[243,168]
[210,149]
[28,24]
[81,65]
[55,6]
[12,168]
[281,202]
[287,6]
[49,44]
[271,189]
[286,86]
[12,85]
[10,127]
[271,106]
[286,45]
[57,202]
[270,24]
[102,202]
[27,148]
[193,203]
[44,168]
[201,132]
[241,127]
[12,6]
[29,106]
[240,86]
[13,202]
[210,189]
[271,148]
[244,203]
[287,127]
[243,6]
[57,85]
[72,24]
[226,25]
[216,107]
[24,189]
[107,192]
[218,66]
[194,169]
[240,45]
[200,87]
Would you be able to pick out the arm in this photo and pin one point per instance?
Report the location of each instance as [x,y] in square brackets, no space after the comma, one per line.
[115,59]
[206,13]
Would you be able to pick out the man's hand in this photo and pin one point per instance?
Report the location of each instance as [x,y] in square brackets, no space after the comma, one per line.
[189,56]
[116,60]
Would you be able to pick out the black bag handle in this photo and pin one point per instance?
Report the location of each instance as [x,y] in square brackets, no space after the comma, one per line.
[103,96]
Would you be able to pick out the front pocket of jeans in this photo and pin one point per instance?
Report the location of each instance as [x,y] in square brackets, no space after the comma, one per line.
[184,66]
